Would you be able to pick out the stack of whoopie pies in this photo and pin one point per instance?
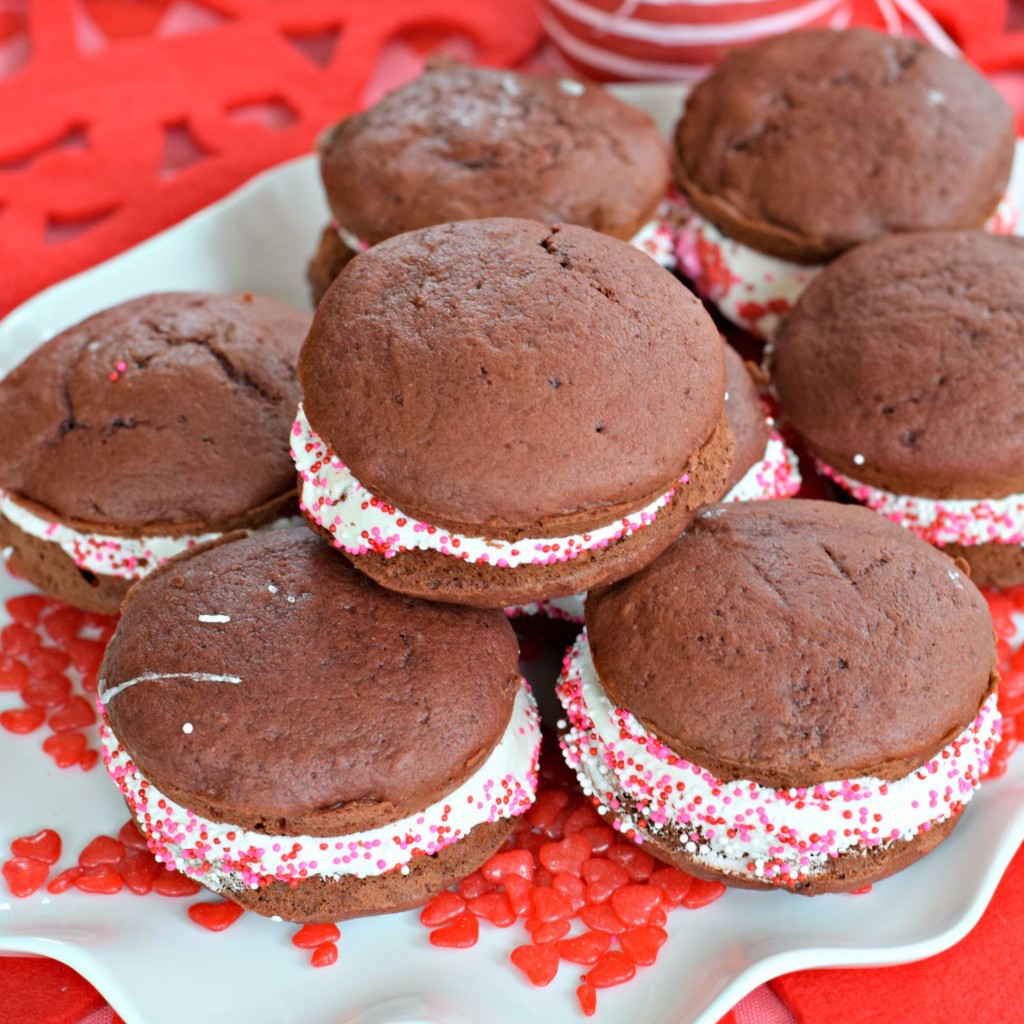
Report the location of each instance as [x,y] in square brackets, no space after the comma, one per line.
[501,401]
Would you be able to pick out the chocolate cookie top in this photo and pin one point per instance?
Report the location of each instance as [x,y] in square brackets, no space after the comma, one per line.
[170,410]
[498,376]
[460,143]
[277,687]
[903,367]
[806,144]
[797,642]
[745,413]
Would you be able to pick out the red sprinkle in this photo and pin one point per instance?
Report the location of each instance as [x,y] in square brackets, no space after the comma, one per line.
[18,639]
[442,908]
[130,837]
[673,883]
[642,944]
[569,855]
[215,917]
[24,875]
[174,884]
[13,673]
[22,720]
[494,907]
[102,850]
[475,885]
[140,871]
[26,608]
[702,893]
[102,879]
[44,845]
[48,691]
[64,880]
[572,888]
[637,863]
[586,948]
[587,996]
[78,713]
[461,933]
[309,936]
[66,748]
[550,905]
[325,955]
[519,891]
[603,878]
[544,933]
[633,904]
[538,963]
[613,968]
[510,862]
[62,625]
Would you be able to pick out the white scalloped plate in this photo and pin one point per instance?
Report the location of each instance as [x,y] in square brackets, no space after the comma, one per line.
[155,966]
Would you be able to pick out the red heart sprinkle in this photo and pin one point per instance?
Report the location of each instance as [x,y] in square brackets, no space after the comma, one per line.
[642,944]
[102,850]
[63,624]
[309,936]
[568,855]
[587,996]
[601,918]
[531,842]
[658,918]
[601,838]
[215,917]
[634,903]
[538,963]
[130,837]
[48,661]
[44,846]
[546,807]
[89,682]
[65,748]
[702,893]
[544,933]
[64,880]
[26,608]
[325,955]
[102,879]
[585,948]
[511,862]
[582,817]
[550,905]
[613,968]
[461,933]
[572,888]
[637,863]
[518,891]
[603,878]
[86,655]
[139,872]
[475,885]
[13,674]
[673,883]
[50,691]
[22,720]
[88,760]
[24,875]
[174,884]
[442,908]
[495,907]
[18,639]
[76,714]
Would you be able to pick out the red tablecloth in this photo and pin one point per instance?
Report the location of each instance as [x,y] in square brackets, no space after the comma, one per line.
[120,117]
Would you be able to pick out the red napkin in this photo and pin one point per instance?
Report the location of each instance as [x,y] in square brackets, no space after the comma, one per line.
[39,991]
[977,980]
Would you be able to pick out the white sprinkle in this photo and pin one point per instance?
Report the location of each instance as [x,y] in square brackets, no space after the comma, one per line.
[572,87]
[7,551]
[936,97]
[200,677]
[214,618]
[276,918]
[727,396]
[955,577]
[290,599]
[858,459]
[272,588]
[510,85]
[186,728]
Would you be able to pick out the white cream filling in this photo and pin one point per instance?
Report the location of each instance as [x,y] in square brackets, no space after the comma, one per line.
[777,475]
[743,828]
[752,289]
[360,523]
[967,521]
[128,558]
[222,856]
